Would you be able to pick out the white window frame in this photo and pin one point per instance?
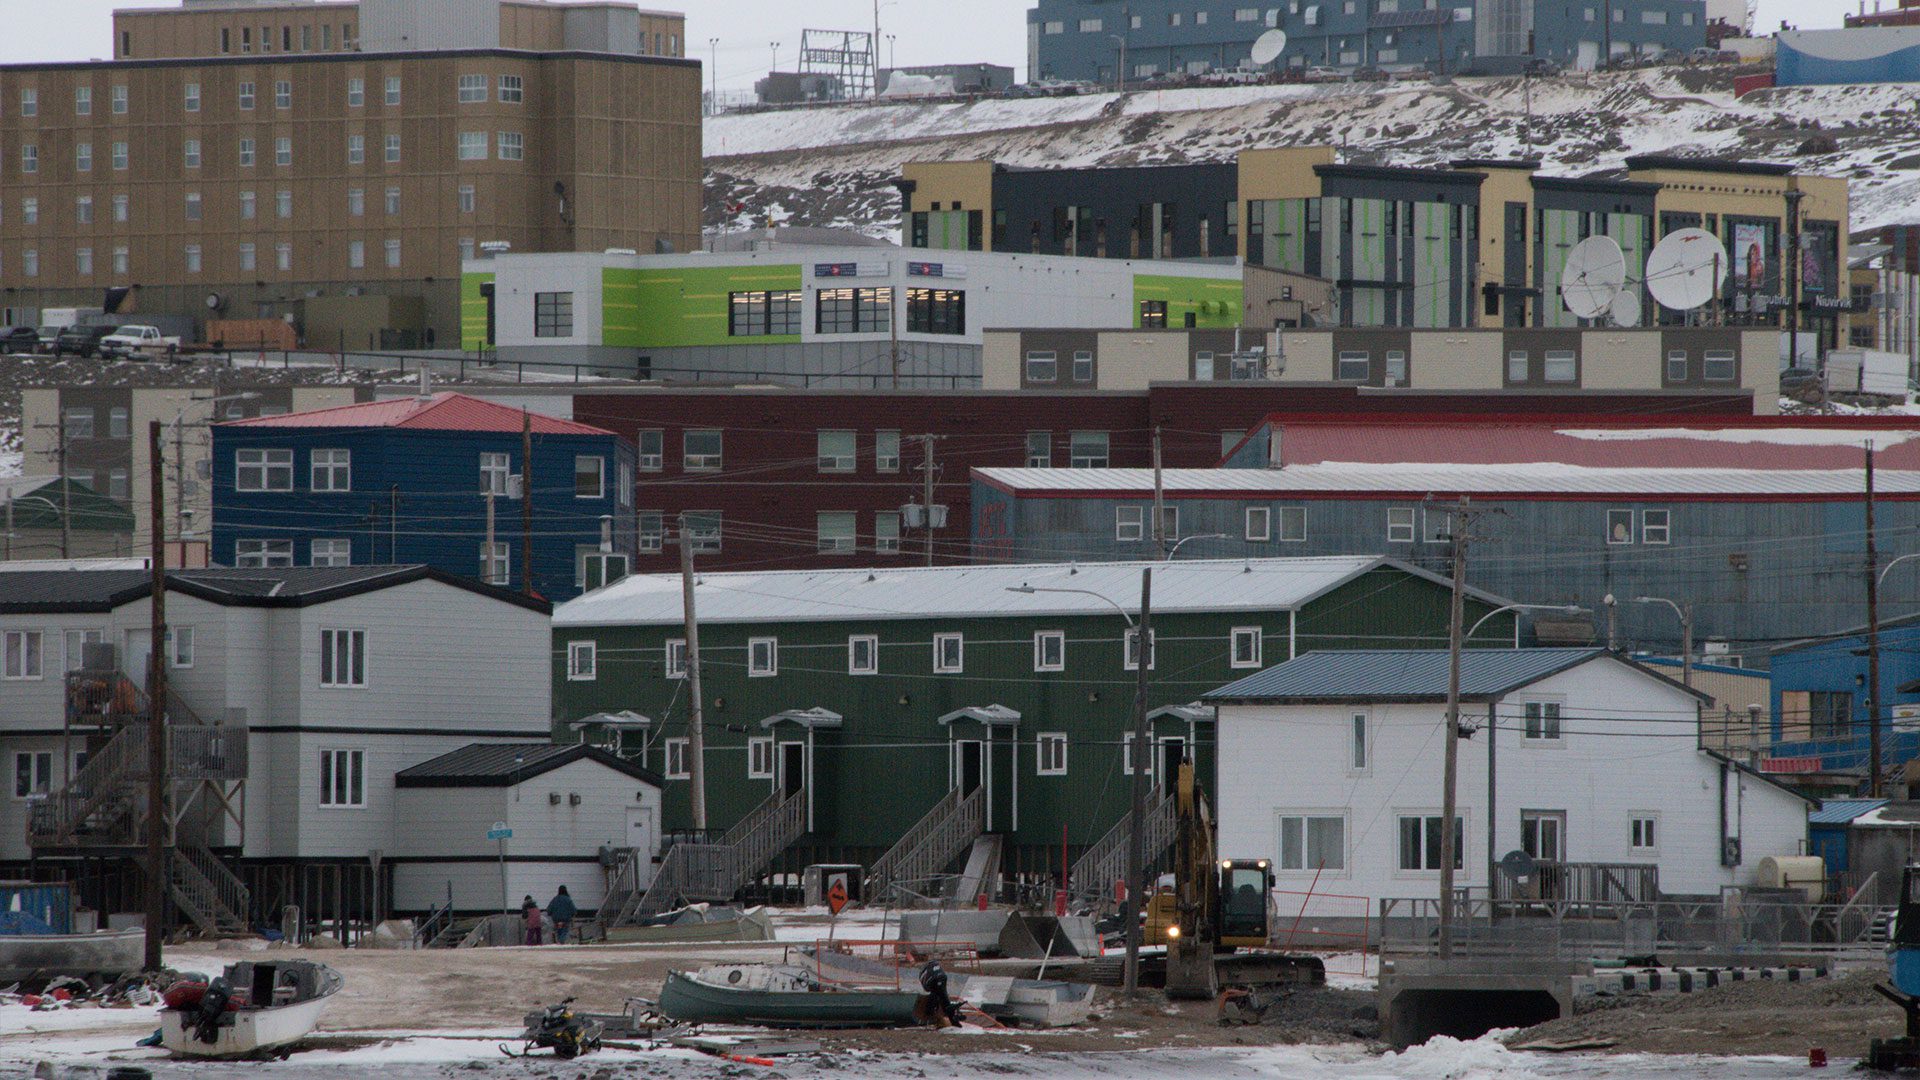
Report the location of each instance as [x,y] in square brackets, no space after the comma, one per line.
[262,554]
[1305,818]
[510,146]
[1259,523]
[941,664]
[651,541]
[583,661]
[1242,633]
[1619,517]
[676,759]
[39,774]
[472,89]
[1359,742]
[1550,730]
[1040,640]
[74,643]
[348,791]
[1641,842]
[760,757]
[473,146]
[1129,524]
[180,646]
[512,89]
[496,474]
[339,647]
[356,93]
[757,668]
[839,541]
[872,644]
[336,548]
[829,458]
[713,462]
[1127,649]
[655,461]
[22,663]
[334,465]
[1401,525]
[268,463]
[886,451]
[599,469]
[1656,534]
[1050,744]
[1463,829]
[1286,533]
[673,658]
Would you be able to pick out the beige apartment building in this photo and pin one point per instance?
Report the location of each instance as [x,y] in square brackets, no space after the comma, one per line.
[331,164]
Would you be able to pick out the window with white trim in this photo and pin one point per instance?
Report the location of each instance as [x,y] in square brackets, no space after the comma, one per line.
[283,151]
[886,532]
[262,554]
[1043,366]
[473,89]
[582,661]
[1039,449]
[1542,720]
[863,655]
[763,657]
[1655,526]
[1292,525]
[1050,748]
[179,641]
[674,664]
[1132,650]
[652,454]
[76,642]
[1129,523]
[263,470]
[1643,833]
[701,450]
[393,90]
[512,89]
[652,527]
[1400,524]
[1259,523]
[1619,526]
[837,532]
[513,146]
[473,146]
[32,773]
[1720,365]
[1087,449]
[343,779]
[886,451]
[333,552]
[496,563]
[23,655]
[836,451]
[1246,647]
[283,94]
[589,477]
[332,470]
[1312,842]
[356,93]
[495,474]
[1421,839]
[1360,751]
[676,759]
[1050,650]
[760,758]
[949,654]
[343,658]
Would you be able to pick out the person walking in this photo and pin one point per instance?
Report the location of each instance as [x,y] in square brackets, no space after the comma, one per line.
[561,910]
[530,911]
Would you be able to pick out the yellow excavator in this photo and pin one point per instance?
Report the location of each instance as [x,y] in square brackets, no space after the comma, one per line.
[1218,907]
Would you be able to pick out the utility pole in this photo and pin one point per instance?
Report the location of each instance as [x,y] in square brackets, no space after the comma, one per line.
[1159,503]
[926,445]
[526,502]
[696,728]
[156,706]
[1794,195]
[1876,778]
[66,485]
[486,553]
[180,488]
[1451,768]
[1142,756]
[893,326]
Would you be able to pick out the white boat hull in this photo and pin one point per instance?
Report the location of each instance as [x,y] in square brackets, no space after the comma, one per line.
[253,1032]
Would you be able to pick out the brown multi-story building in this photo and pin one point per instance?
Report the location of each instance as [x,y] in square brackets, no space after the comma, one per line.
[331,164]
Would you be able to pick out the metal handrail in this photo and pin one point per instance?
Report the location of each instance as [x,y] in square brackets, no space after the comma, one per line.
[1104,862]
[933,841]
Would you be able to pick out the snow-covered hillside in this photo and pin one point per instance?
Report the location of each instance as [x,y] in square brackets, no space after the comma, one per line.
[834,166]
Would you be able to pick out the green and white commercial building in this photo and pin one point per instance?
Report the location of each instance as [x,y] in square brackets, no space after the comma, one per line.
[826,316]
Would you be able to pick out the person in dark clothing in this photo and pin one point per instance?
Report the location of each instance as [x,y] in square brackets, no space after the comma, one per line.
[562,911]
[530,912]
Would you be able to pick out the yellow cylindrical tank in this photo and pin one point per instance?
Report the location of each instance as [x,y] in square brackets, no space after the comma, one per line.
[1807,873]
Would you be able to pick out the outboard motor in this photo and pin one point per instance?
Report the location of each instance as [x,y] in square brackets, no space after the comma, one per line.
[213,1005]
[933,980]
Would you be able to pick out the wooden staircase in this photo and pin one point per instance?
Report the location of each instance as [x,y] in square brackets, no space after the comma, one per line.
[694,873]
[937,839]
[1093,874]
[206,892]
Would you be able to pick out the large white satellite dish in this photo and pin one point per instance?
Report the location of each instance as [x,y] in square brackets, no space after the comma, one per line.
[1594,275]
[1625,311]
[1686,269]
[1269,46]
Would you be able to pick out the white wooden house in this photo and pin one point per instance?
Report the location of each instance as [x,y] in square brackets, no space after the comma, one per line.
[1331,765]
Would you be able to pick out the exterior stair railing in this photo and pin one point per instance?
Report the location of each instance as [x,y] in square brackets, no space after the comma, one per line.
[1094,873]
[695,872]
[934,841]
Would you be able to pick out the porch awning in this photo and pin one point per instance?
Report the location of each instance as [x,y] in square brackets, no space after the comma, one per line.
[624,720]
[1192,712]
[990,715]
[814,718]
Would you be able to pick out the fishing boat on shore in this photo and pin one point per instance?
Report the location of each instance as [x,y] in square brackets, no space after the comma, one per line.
[781,995]
[102,957]
[1043,1003]
[254,1009]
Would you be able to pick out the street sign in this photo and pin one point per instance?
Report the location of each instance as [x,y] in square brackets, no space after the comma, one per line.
[499,831]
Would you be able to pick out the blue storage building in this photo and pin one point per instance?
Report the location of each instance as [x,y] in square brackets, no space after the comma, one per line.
[1822,708]
[407,481]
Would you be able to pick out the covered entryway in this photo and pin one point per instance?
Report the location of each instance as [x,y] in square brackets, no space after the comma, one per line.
[794,732]
[985,754]
[1182,732]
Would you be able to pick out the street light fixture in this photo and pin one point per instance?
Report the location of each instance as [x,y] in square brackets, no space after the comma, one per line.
[1685,611]
[1561,609]
[1183,541]
[1031,589]
[1893,563]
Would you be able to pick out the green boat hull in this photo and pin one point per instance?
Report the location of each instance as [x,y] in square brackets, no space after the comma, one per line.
[693,1002]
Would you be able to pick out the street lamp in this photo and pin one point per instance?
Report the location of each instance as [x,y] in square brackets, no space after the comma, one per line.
[1893,563]
[713,103]
[1561,609]
[1120,73]
[1183,541]
[1137,815]
[1685,611]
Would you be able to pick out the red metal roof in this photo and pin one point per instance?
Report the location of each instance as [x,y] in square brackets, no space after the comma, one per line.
[1786,443]
[441,412]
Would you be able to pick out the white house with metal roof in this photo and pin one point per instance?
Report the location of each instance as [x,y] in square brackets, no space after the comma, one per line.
[1331,765]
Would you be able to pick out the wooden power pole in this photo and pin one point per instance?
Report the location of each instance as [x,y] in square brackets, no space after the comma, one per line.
[157,708]
[1876,772]
[1450,769]
[696,725]
[526,501]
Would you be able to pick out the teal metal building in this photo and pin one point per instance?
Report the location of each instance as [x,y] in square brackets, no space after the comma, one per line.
[876,695]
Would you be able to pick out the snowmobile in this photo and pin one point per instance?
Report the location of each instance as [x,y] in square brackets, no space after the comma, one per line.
[560,1029]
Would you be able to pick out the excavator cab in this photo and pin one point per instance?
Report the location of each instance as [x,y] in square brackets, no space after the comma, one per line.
[1246,898]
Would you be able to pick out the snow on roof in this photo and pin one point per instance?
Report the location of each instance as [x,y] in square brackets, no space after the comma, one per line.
[1384,478]
[971,591]
[445,411]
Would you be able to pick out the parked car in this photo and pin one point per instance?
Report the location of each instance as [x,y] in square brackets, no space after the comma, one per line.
[19,339]
[1324,74]
[48,335]
[134,340]
[81,341]
[1369,74]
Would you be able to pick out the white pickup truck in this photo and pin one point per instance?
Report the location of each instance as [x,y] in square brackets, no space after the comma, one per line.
[130,341]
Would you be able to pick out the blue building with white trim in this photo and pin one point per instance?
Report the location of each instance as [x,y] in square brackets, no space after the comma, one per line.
[406,481]
[1823,708]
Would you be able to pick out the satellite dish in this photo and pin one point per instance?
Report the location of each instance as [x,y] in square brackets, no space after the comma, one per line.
[1269,47]
[1686,269]
[1626,309]
[1518,865]
[1595,273]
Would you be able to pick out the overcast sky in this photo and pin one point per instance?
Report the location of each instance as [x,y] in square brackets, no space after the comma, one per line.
[927,31]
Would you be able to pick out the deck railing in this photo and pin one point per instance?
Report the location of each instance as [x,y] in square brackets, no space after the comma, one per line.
[934,841]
